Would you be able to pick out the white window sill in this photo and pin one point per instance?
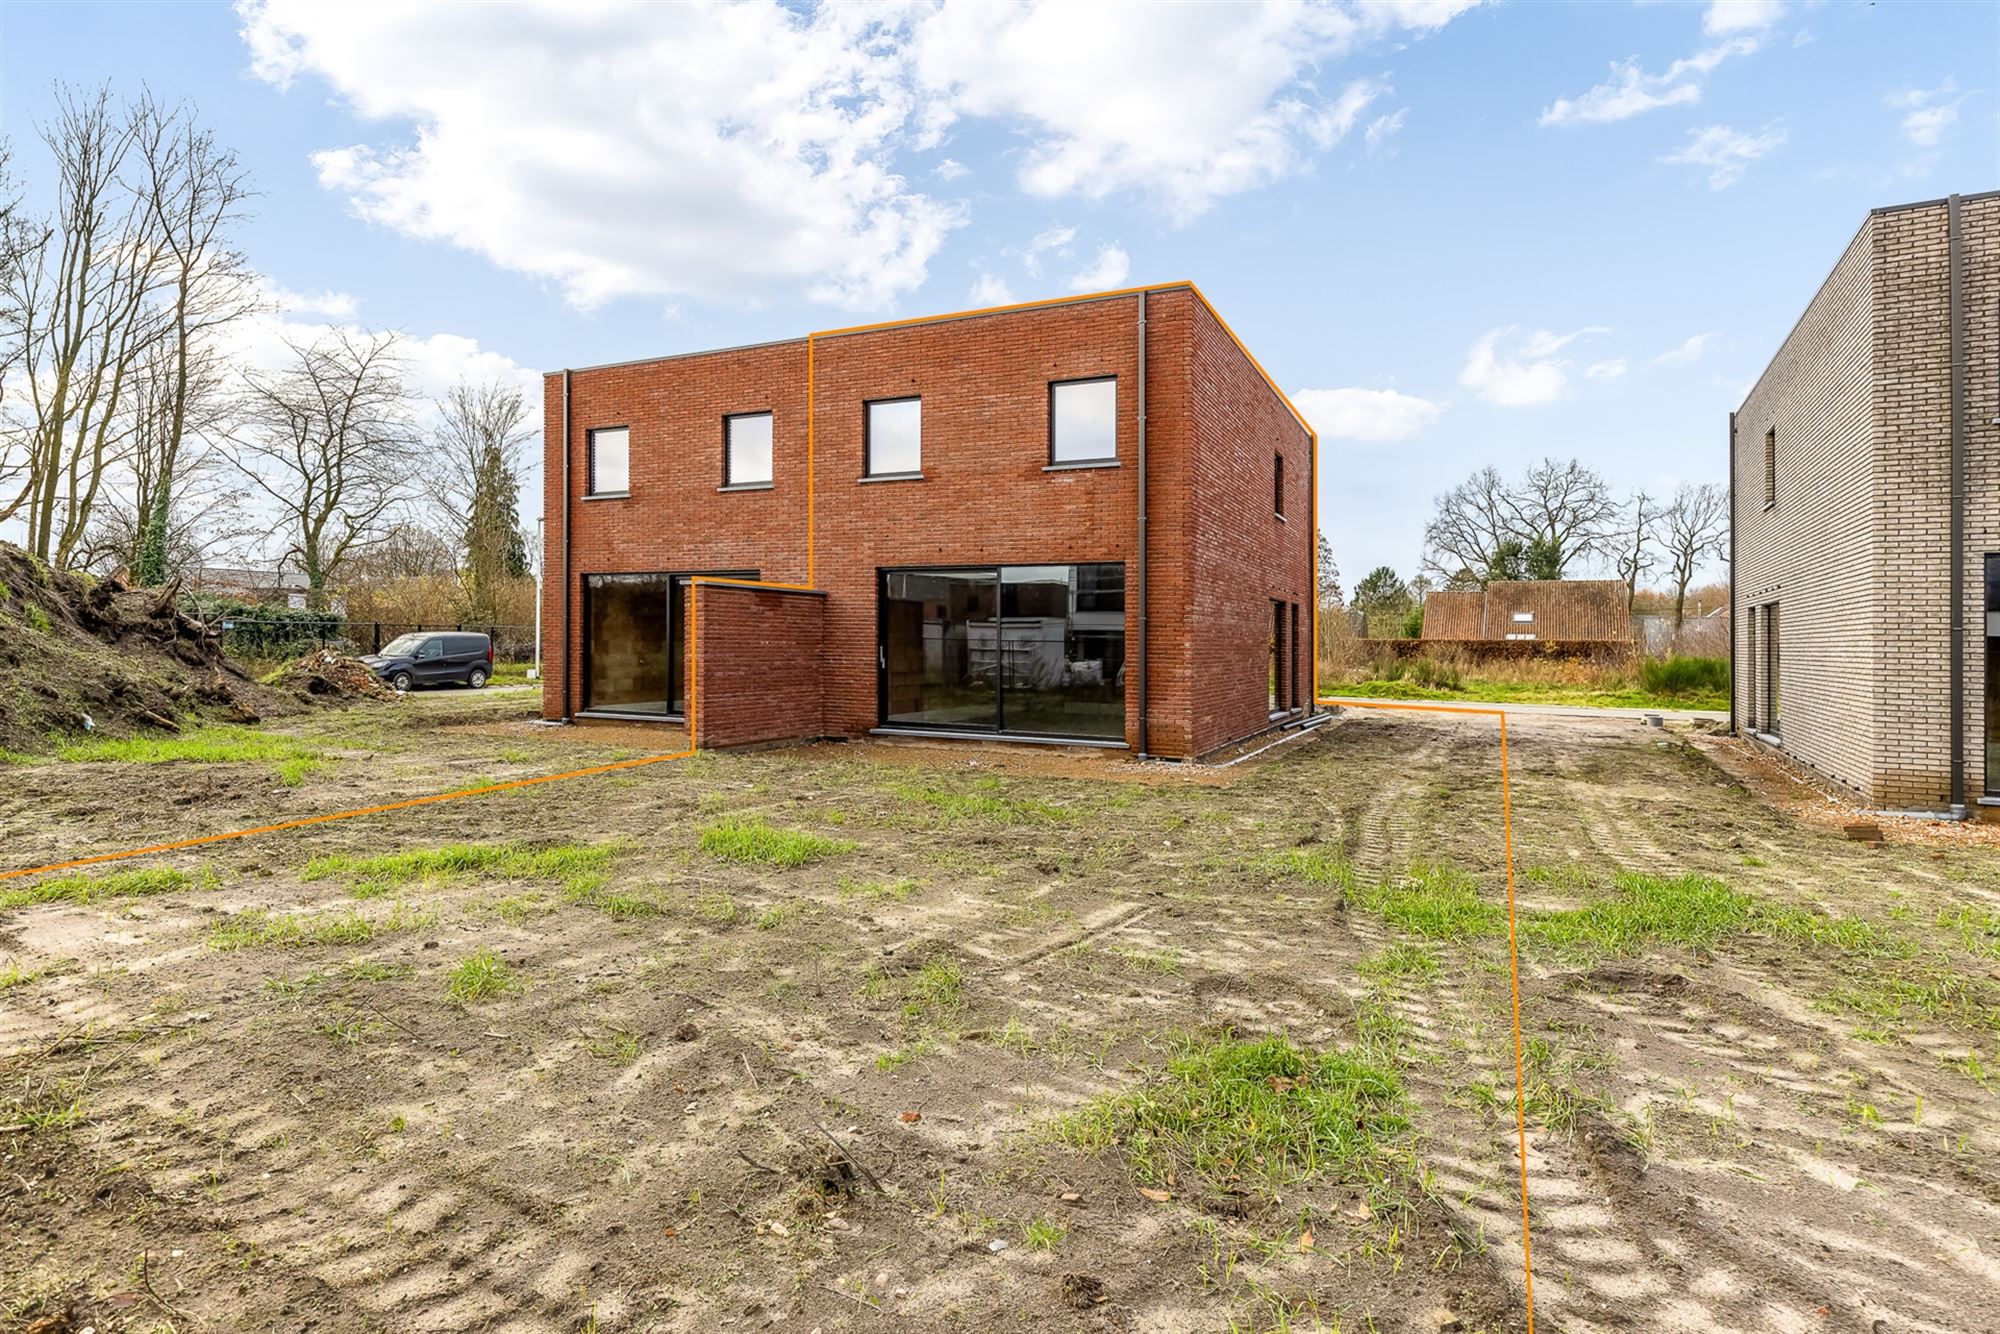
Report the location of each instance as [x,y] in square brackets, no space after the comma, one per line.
[745,486]
[1081,465]
[608,495]
[895,477]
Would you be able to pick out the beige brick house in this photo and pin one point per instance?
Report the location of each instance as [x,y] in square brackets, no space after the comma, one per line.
[1865,479]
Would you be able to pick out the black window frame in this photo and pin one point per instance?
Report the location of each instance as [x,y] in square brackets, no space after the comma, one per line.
[868,406]
[1096,459]
[590,461]
[730,483]
[1278,482]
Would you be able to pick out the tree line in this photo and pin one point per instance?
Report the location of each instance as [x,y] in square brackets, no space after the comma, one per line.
[135,432]
[1556,517]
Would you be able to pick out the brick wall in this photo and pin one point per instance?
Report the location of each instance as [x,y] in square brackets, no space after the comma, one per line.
[1245,553]
[1813,550]
[1856,551]
[987,494]
[758,661]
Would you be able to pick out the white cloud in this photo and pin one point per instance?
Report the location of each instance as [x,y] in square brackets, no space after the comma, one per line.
[1530,374]
[990,289]
[1107,271]
[1686,354]
[1365,414]
[1050,240]
[1630,91]
[1725,153]
[1609,369]
[1928,112]
[1383,128]
[1187,104]
[1741,15]
[720,152]
[331,304]
[952,169]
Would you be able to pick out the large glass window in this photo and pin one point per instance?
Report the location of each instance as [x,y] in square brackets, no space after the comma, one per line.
[625,656]
[635,654]
[1083,421]
[747,449]
[1033,649]
[895,437]
[610,460]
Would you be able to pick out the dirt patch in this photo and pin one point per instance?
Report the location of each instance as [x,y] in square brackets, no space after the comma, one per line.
[1811,800]
[823,1082]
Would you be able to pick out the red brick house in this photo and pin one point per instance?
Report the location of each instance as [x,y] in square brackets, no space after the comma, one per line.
[1087,520]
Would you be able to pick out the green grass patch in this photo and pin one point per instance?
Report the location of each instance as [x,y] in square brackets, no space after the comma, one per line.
[986,801]
[1326,868]
[1529,692]
[1253,1108]
[254,927]
[577,867]
[1401,962]
[1685,677]
[14,975]
[757,843]
[110,885]
[1644,910]
[1434,901]
[482,975]
[218,744]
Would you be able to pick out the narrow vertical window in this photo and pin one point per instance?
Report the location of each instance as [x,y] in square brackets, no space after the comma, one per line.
[894,438]
[1992,675]
[1278,485]
[1277,655]
[1770,665]
[1770,467]
[610,464]
[1083,421]
[746,448]
[1298,651]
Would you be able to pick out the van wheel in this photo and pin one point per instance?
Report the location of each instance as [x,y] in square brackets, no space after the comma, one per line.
[402,681]
[476,677]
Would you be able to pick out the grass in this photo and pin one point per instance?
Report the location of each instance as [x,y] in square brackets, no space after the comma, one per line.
[255,927]
[218,744]
[116,884]
[1643,910]
[1501,690]
[1226,1108]
[577,867]
[1434,901]
[1043,1234]
[13,975]
[754,842]
[482,975]
[986,801]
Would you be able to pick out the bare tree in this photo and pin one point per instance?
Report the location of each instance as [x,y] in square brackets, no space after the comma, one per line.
[1635,543]
[330,442]
[195,191]
[1692,530]
[1469,528]
[475,482]
[79,297]
[1560,511]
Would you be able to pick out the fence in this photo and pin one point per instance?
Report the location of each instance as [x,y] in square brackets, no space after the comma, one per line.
[287,637]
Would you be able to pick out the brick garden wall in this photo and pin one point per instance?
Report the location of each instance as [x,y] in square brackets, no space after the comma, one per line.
[758,662]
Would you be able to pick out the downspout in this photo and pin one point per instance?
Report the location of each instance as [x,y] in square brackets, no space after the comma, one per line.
[1955,261]
[1732,574]
[569,665]
[1142,527]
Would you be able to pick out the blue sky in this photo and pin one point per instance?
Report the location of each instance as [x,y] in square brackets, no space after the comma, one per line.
[1462,235]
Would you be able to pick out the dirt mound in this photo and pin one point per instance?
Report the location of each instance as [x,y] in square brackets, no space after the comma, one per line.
[328,674]
[79,655]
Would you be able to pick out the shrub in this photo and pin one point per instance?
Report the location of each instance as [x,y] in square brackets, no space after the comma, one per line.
[1684,676]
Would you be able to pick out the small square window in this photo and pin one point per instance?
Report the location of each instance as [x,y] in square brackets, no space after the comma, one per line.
[610,460]
[894,445]
[1083,421]
[747,449]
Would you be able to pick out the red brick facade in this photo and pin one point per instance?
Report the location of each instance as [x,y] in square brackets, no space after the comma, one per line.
[1217,554]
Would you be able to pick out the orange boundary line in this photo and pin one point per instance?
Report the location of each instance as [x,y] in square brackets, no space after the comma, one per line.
[1513,951]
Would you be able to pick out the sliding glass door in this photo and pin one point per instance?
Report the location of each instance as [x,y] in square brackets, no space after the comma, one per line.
[1028,649]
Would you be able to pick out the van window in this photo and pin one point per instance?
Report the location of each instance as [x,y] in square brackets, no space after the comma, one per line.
[433,648]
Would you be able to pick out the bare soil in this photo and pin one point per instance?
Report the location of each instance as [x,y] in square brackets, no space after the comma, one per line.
[718,1094]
